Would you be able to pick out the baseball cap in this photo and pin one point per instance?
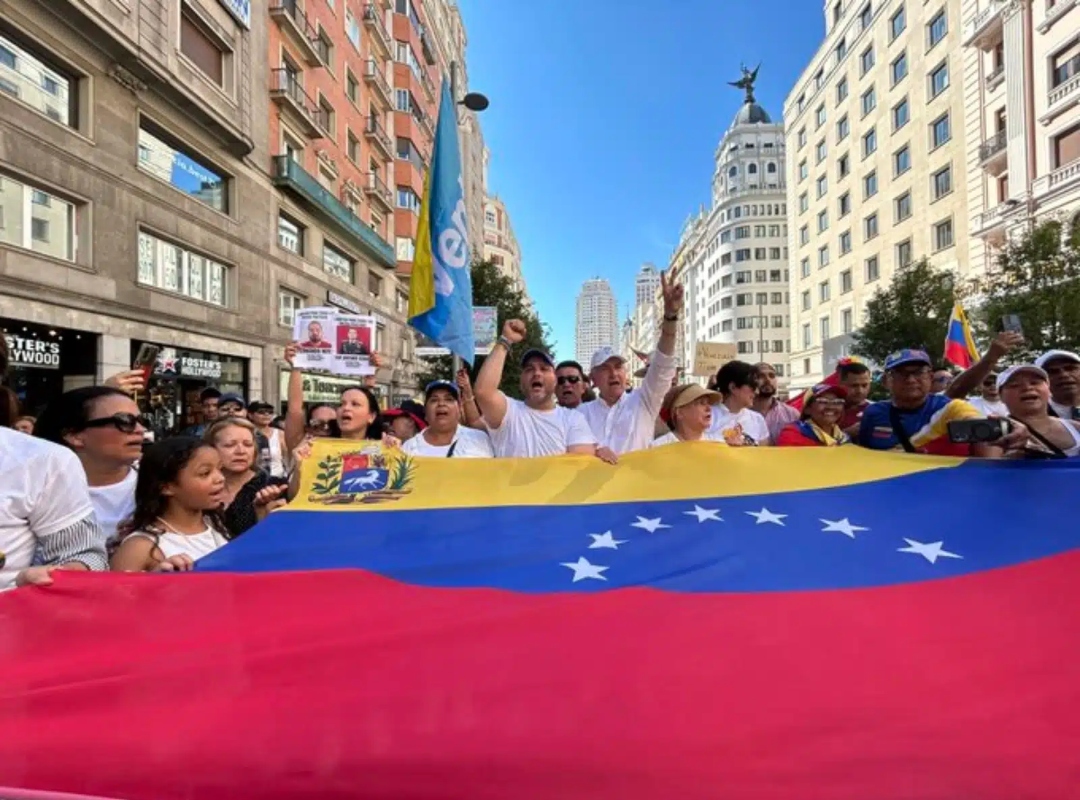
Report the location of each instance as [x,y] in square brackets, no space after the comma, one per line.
[256,406]
[907,356]
[393,413]
[823,389]
[1056,355]
[537,352]
[602,356]
[450,387]
[1012,372]
[231,397]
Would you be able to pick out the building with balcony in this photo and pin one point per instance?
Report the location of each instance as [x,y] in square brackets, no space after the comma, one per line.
[331,128]
[501,245]
[877,166]
[597,320]
[134,206]
[1022,106]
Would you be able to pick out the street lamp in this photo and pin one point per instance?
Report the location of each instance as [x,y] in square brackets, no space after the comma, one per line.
[474,101]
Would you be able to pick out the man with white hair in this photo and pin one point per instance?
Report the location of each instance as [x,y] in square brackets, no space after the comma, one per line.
[625,421]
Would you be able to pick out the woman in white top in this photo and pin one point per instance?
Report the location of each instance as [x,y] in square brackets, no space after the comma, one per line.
[177,517]
[445,436]
[688,410]
[1025,390]
[103,427]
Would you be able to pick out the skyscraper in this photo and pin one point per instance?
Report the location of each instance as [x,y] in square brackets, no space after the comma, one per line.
[646,284]
[597,320]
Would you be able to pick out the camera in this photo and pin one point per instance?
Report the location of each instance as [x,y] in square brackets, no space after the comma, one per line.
[978,431]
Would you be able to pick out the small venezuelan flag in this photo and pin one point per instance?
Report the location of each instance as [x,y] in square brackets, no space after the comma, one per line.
[960,347]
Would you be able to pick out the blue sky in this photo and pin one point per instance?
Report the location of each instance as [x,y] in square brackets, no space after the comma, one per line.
[604,118]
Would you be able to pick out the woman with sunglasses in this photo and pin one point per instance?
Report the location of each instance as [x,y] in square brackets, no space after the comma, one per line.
[103,427]
[823,406]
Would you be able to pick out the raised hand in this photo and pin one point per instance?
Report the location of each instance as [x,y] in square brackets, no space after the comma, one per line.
[290,353]
[673,295]
[464,383]
[514,330]
[1005,342]
[130,382]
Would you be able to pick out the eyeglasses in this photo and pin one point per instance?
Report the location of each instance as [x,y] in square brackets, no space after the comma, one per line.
[903,374]
[125,423]
[571,379]
[320,425]
[829,402]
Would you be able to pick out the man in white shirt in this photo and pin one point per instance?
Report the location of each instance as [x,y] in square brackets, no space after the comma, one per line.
[536,426]
[1063,368]
[989,401]
[734,418]
[445,436]
[625,421]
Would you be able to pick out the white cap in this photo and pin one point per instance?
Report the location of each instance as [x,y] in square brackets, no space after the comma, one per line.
[1008,374]
[602,356]
[1056,355]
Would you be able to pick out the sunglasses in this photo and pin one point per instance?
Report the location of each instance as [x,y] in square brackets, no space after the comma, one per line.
[571,379]
[319,426]
[125,423]
[829,402]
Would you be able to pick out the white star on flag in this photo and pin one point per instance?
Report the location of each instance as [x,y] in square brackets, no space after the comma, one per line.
[765,515]
[583,569]
[931,552]
[650,525]
[841,526]
[703,514]
[605,540]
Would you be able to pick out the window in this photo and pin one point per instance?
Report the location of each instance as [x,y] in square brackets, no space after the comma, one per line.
[806,300]
[337,263]
[872,272]
[203,50]
[183,171]
[802,137]
[59,98]
[804,267]
[901,114]
[1066,147]
[868,101]
[897,23]
[352,87]
[742,255]
[898,69]
[822,221]
[406,198]
[903,253]
[352,29]
[290,234]
[870,227]
[288,305]
[841,49]
[902,206]
[353,148]
[405,248]
[804,202]
[901,161]
[819,78]
[1065,64]
[865,17]
[775,275]
[174,269]
[804,170]
[941,182]
[804,235]
[841,90]
[329,117]
[36,220]
[937,28]
[824,324]
[807,341]
[842,129]
[375,284]
[870,185]
[821,151]
[845,204]
[943,234]
[866,60]
[823,256]
[845,282]
[843,166]
[869,142]
[940,131]
[845,243]
[939,79]
[821,115]
[824,292]
[822,186]
[742,232]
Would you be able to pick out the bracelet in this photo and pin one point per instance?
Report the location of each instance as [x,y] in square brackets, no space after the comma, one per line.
[505,343]
[671,318]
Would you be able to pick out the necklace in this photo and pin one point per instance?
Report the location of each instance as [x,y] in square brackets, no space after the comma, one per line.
[171,529]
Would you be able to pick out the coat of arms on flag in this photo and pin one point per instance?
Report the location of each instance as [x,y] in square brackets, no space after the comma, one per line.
[369,475]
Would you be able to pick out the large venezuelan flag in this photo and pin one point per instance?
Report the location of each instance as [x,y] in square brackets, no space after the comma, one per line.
[696,622]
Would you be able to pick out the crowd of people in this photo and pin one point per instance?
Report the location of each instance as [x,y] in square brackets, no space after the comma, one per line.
[82,489]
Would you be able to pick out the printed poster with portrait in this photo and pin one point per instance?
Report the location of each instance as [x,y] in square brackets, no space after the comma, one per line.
[355,343]
[485,332]
[331,341]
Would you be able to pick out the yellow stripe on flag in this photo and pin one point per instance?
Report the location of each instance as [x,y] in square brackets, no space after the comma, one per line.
[422,282]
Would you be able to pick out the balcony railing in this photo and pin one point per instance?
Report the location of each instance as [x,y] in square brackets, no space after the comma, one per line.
[378,189]
[424,121]
[1067,88]
[378,135]
[1057,181]
[290,176]
[992,146]
[985,27]
[425,81]
[375,22]
[285,88]
[993,80]
[373,73]
[296,25]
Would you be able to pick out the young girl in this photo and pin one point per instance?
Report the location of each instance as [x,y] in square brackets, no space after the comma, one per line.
[177,519]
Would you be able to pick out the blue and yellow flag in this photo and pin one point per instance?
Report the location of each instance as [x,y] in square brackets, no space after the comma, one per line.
[440,292]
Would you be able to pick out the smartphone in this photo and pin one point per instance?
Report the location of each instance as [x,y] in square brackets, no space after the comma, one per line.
[146,360]
[978,431]
[1011,323]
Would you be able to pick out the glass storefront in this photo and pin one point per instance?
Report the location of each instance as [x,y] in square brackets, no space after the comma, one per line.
[172,401]
[47,361]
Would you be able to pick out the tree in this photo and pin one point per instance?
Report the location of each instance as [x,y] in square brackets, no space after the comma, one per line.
[1037,277]
[912,312]
[492,288]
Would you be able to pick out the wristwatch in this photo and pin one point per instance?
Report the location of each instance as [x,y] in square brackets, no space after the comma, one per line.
[671,317]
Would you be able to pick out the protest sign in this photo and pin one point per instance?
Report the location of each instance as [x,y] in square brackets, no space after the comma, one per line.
[485,331]
[332,341]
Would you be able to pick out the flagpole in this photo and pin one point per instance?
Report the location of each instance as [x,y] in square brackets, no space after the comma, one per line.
[456,364]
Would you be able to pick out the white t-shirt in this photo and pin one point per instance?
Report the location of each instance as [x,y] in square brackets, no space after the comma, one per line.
[630,424]
[986,408]
[193,545]
[1063,412]
[471,443]
[749,422]
[528,433]
[115,503]
[42,491]
[671,438]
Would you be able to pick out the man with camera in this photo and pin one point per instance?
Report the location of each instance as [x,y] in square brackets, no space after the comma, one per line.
[917,421]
